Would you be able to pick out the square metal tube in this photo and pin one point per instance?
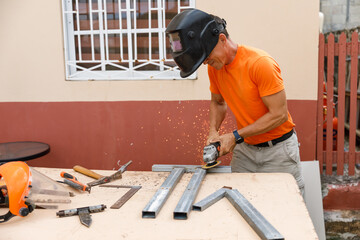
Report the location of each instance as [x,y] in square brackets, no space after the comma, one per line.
[209,200]
[160,197]
[189,168]
[184,205]
[252,216]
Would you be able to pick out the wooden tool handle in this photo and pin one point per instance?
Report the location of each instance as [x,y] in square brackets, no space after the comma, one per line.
[87,172]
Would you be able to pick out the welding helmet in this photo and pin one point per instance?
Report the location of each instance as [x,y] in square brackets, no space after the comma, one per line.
[17,177]
[193,35]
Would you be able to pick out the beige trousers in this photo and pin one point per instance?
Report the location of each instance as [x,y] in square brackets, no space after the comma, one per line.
[284,157]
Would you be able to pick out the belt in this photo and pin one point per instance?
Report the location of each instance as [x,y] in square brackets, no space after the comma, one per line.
[276,140]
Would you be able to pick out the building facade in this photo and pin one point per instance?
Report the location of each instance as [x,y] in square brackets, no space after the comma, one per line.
[54,89]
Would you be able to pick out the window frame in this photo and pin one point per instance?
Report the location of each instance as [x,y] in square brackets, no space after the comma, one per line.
[74,72]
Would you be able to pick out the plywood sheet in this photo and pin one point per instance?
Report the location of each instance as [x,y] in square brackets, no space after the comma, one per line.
[275,195]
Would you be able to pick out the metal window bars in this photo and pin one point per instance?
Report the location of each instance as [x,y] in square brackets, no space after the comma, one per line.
[119,39]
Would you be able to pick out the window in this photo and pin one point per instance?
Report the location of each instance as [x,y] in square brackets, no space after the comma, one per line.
[119,39]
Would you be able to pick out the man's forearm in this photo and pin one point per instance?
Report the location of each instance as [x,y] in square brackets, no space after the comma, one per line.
[217,115]
[264,124]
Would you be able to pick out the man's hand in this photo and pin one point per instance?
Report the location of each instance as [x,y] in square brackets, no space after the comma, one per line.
[214,136]
[227,142]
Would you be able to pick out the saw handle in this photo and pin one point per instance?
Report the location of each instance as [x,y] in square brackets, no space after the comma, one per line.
[73,182]
[87,172]
[67,175]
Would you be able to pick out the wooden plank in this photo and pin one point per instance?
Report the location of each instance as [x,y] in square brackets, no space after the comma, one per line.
[319,127]
[353,102]
[330,101]
[336,50]
[341,104]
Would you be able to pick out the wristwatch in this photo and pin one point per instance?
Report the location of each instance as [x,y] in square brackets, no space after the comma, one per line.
[238,139]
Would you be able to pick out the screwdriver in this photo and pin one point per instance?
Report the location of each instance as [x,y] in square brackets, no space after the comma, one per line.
[73,182]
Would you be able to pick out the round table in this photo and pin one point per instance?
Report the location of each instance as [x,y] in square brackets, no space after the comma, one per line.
[22,151]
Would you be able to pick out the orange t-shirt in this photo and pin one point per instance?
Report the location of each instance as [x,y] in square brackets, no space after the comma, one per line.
[251,75]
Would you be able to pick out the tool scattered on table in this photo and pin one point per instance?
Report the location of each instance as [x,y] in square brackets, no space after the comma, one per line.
[87,172]
[73,182]
[124,167]
[92,174]
[119,203]
[22,187]
[211,153]
[83,212]
[251,215]
[162,194]
[107,179]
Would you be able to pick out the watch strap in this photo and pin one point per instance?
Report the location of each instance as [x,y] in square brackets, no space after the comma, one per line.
[238,139]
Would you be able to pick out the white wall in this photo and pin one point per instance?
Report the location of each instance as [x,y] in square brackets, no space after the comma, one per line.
[32,57]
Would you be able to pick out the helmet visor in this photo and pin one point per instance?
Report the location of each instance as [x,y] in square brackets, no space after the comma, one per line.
[175,42]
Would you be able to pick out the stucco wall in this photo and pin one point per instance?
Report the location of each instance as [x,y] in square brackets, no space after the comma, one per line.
[98,123]
[32,57]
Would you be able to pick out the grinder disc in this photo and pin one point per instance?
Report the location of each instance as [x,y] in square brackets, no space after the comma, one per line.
[211,165]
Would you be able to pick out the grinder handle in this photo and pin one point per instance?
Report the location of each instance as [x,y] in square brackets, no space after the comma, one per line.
[217,145]
[87,172]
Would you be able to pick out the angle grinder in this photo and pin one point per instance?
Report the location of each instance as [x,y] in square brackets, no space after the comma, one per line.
[211,153]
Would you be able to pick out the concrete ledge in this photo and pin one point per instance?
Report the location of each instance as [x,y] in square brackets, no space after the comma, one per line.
[342,197]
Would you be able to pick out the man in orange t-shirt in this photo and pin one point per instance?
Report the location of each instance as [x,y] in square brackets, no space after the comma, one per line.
[247,80]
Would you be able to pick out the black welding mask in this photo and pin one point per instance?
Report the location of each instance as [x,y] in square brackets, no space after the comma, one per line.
[193,34]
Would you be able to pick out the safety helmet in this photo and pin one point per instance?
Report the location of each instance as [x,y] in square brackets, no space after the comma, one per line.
[193,35]
[23,188]
[18,178]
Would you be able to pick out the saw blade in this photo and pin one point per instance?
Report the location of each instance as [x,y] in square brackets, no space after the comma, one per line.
[210,165]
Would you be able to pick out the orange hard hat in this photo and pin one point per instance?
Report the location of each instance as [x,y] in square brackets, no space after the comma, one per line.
[18,178]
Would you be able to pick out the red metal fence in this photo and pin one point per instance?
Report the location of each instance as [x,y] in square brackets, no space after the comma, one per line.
[338,102]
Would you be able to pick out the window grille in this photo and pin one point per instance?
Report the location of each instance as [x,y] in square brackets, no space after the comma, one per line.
[119,39]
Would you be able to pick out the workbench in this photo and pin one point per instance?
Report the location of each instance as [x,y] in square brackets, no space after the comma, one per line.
[274,195]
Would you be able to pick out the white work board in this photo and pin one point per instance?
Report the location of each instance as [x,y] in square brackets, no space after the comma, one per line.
[274,195]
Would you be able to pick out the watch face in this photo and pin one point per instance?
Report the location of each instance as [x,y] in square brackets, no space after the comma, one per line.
[239,140]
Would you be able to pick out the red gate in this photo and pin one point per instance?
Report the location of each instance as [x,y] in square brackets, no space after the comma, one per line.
[338,102]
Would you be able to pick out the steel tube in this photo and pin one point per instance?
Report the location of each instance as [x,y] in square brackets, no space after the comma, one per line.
[158,200]
[184,205]
[209,200]
[254,218]
[189,168]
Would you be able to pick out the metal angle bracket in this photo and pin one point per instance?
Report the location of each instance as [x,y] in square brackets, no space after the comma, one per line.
[158,200]
[252,216]
[119,203]
[184,205]
[209,200]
